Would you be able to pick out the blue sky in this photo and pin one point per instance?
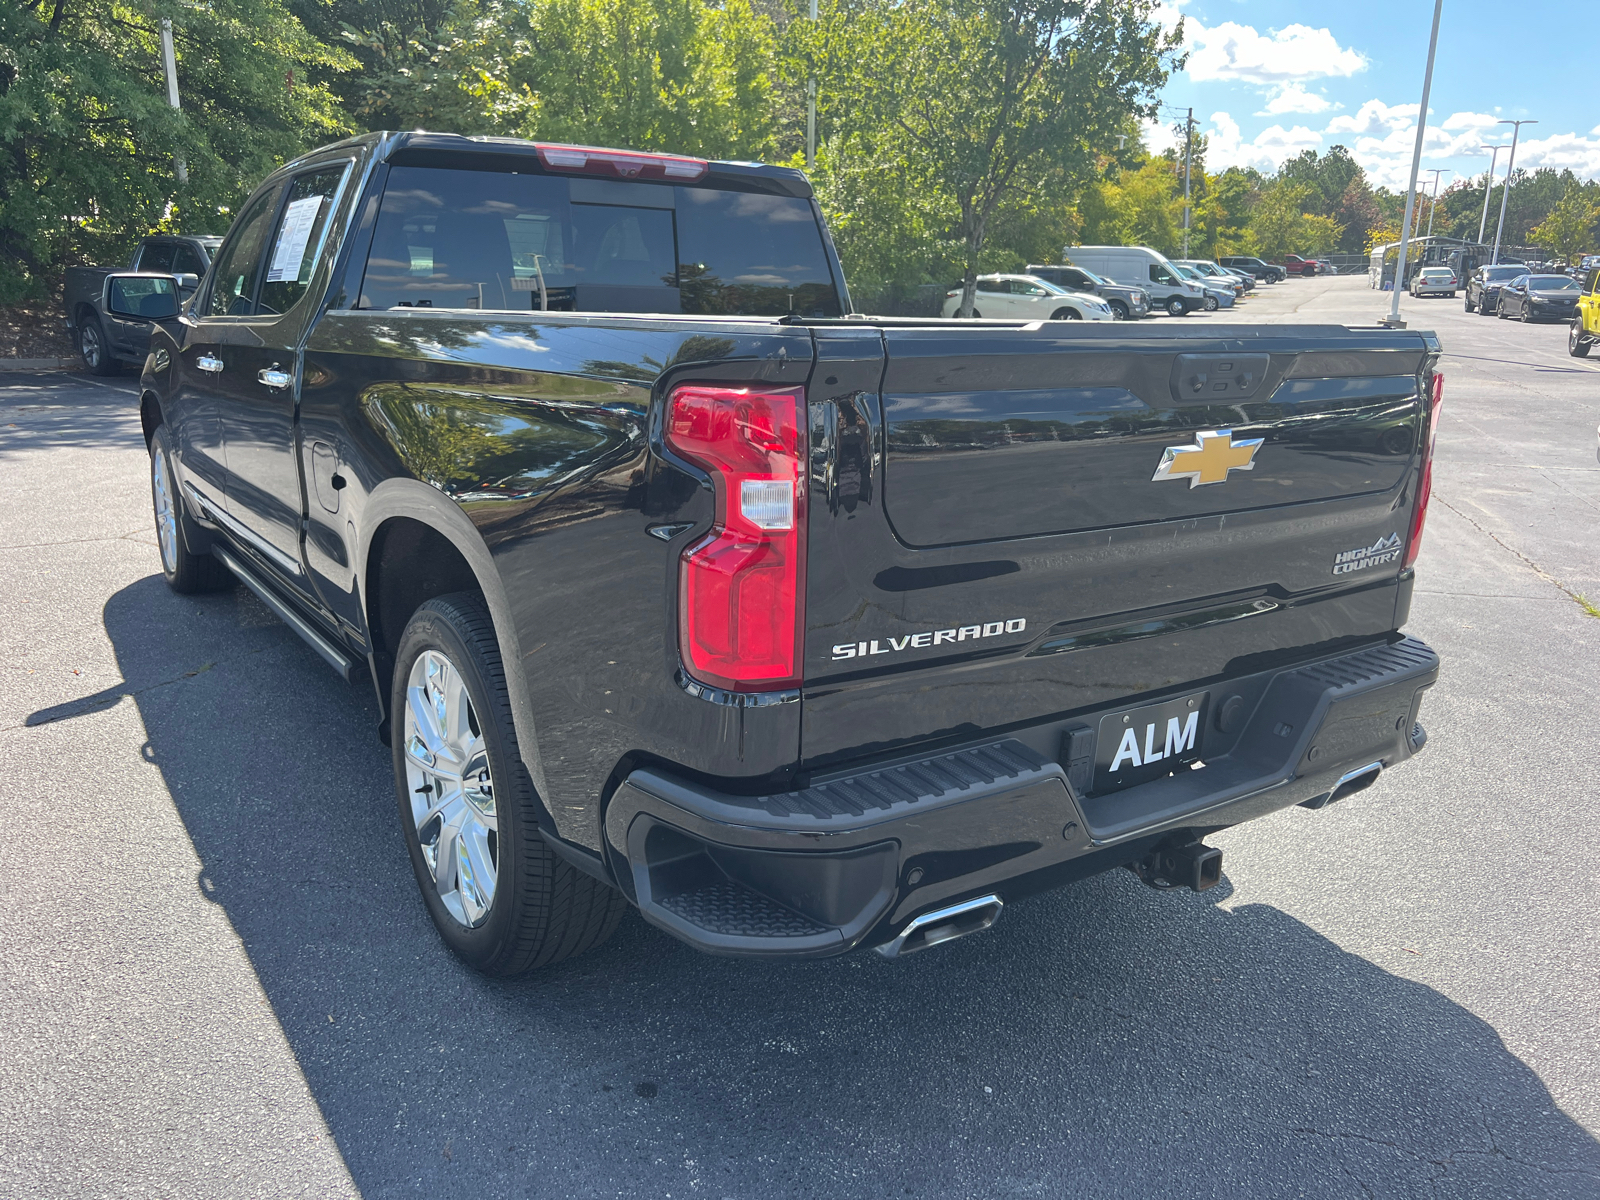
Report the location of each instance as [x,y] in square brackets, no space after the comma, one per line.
[1269,78]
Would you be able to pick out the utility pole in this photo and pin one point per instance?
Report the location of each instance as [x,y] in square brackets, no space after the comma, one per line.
[1188,146]
[1488,186]
[1393,319]
[169,63]
[811,110]
[1433,203]
[1505,194]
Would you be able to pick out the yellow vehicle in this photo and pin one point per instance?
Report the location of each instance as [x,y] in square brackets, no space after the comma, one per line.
[1585,331]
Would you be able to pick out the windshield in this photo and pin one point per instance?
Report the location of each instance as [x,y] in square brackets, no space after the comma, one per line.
[1552,283]
[1500,274]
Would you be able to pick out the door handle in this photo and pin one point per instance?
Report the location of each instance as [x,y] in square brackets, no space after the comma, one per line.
[206,363]
[275,377]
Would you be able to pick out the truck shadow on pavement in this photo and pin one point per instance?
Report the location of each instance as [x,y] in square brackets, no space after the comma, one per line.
[1101,1041]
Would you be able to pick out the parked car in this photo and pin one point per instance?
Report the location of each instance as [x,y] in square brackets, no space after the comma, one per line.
[1434,281]
[1217,294]
[99,341]
[115,319]
[1168,289]
[1293,264]
[1245,277]
[1127,302]
[1540,298]
[1214,276]
[1584,330]
[1028,298]
[1484,284]
[1264,271]
[798,632]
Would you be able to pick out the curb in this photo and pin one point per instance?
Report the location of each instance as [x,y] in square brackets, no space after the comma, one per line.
[38,364]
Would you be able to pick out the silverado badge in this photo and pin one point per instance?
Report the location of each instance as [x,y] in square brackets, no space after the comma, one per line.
[1209,460]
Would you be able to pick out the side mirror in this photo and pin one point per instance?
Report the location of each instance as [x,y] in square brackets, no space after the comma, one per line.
[143,296]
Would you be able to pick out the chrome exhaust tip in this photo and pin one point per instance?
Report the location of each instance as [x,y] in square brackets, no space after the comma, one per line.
[944,925]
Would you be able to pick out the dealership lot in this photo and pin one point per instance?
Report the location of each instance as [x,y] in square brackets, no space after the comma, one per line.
[216,977]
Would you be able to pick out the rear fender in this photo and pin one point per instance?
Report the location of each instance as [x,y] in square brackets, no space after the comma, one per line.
[419,502]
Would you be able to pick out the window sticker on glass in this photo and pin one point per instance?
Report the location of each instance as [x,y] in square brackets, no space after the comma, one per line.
[299,219]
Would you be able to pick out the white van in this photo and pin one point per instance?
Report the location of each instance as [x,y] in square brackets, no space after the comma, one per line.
[1142,267]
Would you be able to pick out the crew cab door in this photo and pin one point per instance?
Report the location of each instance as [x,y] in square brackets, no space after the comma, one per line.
[247,347]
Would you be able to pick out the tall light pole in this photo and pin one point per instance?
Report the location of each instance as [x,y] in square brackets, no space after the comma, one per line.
[811,110]
[1188,143]
[169,63]
[1433,201]
[1393,319]
[1488,186]
[1505,194]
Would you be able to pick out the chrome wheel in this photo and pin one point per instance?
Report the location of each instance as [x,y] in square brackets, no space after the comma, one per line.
[166,514]
[451,792]
[89,340]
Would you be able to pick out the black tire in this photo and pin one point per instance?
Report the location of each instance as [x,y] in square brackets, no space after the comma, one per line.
[1500,311]
[1468,303]
[95,350]
[1119,310]
[1522,313]
[543,910]
[1483,304]
[1176,307]
[1577,344]
[186,572]
[1066,314]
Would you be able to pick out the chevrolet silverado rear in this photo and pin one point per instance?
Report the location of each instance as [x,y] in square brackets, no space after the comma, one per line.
[800,631]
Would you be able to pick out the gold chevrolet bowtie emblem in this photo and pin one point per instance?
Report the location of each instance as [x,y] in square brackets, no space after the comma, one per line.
[1209,460]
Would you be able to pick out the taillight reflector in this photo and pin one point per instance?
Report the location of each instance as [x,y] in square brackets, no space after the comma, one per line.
[741,589]
[620,164]
[1425,487]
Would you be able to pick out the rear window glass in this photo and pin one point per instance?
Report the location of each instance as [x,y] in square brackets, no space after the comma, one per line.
[485,240]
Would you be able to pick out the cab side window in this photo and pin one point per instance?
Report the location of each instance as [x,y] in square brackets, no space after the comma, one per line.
[187,261]
[233,286]
[156,256]
[298,240]
[1159,274]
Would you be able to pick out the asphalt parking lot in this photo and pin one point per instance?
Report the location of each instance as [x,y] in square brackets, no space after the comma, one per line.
[217,979]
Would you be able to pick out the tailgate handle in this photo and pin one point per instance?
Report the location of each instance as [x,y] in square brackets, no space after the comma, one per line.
[1218,378]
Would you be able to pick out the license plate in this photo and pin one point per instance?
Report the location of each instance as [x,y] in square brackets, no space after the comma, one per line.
[1146,743]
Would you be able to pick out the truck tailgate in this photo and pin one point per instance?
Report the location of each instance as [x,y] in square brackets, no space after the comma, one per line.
[1010,524]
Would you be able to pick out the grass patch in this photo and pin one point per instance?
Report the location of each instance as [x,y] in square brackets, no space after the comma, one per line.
[1587,606]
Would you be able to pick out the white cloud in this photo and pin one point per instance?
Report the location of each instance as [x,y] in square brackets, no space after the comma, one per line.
[1382,138]
[1231,51]
[1293,98]
[1226,146]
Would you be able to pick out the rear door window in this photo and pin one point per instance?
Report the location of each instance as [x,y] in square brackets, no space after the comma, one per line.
[298,242]
[486,240]
[156,256]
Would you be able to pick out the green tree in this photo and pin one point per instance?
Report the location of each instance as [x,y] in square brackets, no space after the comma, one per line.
[1281,225]
[89,140]
[1568,230]
[982,102]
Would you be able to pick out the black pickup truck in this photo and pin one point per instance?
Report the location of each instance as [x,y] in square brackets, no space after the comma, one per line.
[680,585]
[110,321]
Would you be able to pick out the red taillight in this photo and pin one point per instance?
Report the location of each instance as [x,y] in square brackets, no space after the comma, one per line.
[741,590]
[1425,487]
[620,164]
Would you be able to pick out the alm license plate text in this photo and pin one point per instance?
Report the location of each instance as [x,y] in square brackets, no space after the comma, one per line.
[1147,743]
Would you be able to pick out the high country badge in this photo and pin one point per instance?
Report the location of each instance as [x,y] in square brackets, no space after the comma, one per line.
[1384,550]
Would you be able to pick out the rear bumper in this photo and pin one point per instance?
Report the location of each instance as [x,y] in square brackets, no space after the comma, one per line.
[853,860]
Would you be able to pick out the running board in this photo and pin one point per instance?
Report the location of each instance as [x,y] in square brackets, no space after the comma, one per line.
[331,654]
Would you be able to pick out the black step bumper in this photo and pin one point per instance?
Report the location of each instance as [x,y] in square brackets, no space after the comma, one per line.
[851,861]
